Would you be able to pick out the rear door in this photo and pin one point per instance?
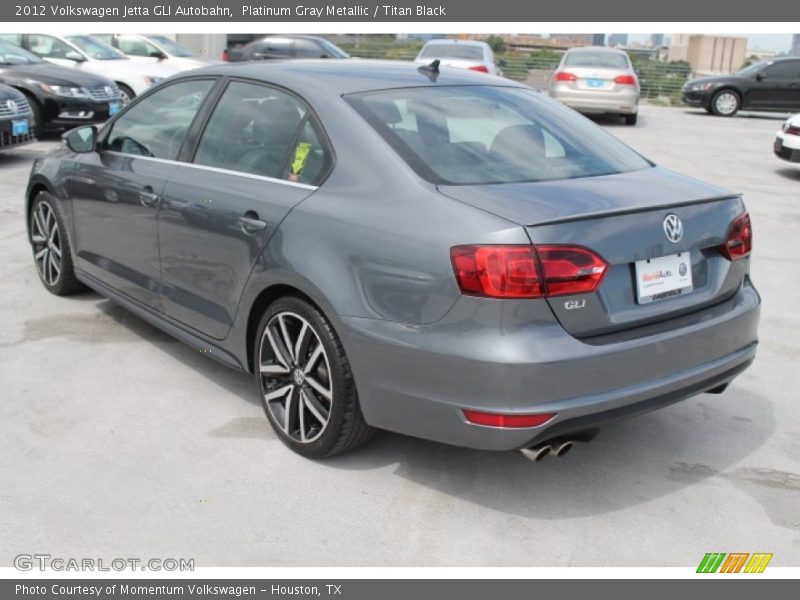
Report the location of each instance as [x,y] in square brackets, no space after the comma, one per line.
[776,87]
[116,191]
[259,155]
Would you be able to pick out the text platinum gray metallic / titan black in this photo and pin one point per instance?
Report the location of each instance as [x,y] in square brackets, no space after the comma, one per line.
[435,252]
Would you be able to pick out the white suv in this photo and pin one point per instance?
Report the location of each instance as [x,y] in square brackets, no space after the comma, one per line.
[154,49]
[90,54]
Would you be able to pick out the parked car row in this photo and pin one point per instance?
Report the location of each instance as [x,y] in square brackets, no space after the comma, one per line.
[71,80]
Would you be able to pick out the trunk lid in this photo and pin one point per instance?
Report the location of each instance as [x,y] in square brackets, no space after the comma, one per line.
[621,218]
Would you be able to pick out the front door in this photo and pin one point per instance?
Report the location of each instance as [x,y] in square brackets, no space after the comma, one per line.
[116,191]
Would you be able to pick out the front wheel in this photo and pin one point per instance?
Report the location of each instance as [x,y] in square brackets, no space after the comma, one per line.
[126,94]
[305,381]
[51,248]
[725,103]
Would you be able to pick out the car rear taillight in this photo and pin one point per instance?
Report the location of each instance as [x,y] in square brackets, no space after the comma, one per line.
[225,56]
[500,420]
[625,79]
[481,68]
[526,271]
[565,76]
[739,242]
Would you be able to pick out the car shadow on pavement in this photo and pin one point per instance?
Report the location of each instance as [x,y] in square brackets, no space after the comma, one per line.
[702,440]
[630,462]
[790,173]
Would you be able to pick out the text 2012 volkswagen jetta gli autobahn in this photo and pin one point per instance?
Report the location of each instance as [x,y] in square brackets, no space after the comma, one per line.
[443,254]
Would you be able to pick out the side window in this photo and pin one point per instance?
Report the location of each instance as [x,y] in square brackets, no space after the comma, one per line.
[11,38]
[133,46]
[106,38]
[157,125]
[260,130]
[307,49]
[271,49]
[48,46]
[789,69]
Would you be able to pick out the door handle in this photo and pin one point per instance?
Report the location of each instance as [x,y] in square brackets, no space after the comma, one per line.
[147,197]
[251,226]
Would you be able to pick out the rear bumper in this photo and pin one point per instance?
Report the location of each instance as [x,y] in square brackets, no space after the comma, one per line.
[787,147]
[624,101]
[418,380]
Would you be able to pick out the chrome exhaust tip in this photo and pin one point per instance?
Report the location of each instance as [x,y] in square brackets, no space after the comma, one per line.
[536,453]
[562,449]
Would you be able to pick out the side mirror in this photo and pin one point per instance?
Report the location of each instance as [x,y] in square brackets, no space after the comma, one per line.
[158,54]
[759,77]
[75,56]
[81,139]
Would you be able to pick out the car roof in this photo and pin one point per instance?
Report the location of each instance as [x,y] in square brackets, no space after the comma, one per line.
[456,41]
[596,49]
[347,76]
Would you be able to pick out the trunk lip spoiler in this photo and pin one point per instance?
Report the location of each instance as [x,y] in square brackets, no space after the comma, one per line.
[629,211]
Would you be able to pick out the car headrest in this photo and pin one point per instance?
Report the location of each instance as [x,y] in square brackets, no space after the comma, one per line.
[385,110]
[518,140]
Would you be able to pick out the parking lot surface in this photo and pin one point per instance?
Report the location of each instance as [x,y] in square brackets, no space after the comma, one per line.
[118,441]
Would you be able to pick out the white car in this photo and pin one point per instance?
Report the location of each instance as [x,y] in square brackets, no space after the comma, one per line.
[154,49]
[463,54]
[93,56]
[787,141]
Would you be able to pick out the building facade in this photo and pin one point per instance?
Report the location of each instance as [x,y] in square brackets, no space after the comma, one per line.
[709,54]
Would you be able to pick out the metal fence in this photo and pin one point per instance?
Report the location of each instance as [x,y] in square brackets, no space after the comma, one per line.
[659,81]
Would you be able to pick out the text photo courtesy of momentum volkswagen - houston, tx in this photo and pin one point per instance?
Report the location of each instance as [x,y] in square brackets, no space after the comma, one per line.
[301,295]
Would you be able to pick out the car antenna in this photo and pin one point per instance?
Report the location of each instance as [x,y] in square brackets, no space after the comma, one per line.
[431,70]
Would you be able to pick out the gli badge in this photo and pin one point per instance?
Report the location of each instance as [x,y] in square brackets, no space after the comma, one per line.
[573,304]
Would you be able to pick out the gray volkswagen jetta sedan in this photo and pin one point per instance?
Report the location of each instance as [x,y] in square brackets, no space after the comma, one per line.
[439,253]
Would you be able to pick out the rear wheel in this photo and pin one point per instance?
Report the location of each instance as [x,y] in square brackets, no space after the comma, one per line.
[305,381]
[725,103]
[631,119]
[51,250]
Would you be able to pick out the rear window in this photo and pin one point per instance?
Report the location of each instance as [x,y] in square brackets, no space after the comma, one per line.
[452,51]
[603,60]
[480,134]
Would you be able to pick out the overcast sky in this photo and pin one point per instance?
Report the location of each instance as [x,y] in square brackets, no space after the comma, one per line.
[772,42]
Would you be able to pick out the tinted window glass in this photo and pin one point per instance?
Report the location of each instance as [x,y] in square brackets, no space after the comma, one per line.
[603,60]
[11,38]
[157,125]
[12,55]
[48,46]
[95,48]
[454,51]
[270,48]
[307,49]
[169,46]
[481,134]
[789,69]
[254,129]
[134,46]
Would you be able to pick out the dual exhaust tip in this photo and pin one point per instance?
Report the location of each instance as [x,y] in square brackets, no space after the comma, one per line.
[556,447]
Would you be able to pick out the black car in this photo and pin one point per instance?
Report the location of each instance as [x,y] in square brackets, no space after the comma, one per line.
[770,85]
[16,118]
[285,46]
[59,97]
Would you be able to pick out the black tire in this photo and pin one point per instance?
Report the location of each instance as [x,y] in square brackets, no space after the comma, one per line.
[38,126]
[709,110]
[127,91]
[64,283]
[345,429]
[631,119]
[727,108]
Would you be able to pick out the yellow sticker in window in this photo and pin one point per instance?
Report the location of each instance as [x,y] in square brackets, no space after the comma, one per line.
[300,157]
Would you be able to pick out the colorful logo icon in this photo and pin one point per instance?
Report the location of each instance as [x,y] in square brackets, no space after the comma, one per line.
[734,562]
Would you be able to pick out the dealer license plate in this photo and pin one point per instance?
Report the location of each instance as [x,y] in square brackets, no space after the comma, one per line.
[594,83]
[19,127]
[113,108]
[663,277]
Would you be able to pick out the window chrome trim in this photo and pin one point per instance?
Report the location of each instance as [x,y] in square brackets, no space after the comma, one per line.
[167,161]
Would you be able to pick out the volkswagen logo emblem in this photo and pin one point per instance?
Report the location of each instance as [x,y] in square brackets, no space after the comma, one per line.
[108,90]
[673,228]
[11,106]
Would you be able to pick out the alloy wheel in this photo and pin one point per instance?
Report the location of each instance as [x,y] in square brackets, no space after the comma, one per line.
[46,240]
[295,376]
[726,103]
